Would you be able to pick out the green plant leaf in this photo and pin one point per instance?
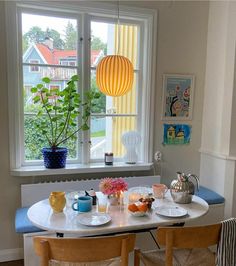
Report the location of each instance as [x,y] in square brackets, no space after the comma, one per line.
[44,90]
[39,86]
[36,99]
[85,127]
[46,80]
[34,89]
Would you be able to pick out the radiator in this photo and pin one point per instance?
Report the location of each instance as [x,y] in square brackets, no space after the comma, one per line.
[31,193]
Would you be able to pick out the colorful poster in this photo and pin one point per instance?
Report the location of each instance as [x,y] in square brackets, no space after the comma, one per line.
[177,97]
[177,134]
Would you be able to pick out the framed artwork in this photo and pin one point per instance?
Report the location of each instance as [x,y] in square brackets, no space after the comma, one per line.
[175,134]
[177,97]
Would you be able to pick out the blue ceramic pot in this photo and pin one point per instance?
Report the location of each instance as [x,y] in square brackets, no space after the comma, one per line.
[54,158]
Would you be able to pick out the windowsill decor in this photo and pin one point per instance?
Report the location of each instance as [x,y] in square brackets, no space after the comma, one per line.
[131,140]
[114,188]
[57,117]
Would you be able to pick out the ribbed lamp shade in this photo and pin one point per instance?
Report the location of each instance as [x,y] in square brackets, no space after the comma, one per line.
[115,75]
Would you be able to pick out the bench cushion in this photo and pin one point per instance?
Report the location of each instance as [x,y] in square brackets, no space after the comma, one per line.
[210,196]
[23,224]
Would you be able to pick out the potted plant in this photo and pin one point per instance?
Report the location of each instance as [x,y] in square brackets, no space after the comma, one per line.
[57,117]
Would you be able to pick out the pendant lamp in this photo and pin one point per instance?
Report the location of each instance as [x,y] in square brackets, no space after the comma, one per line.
[115,73]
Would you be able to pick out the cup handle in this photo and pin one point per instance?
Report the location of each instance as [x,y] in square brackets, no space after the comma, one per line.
[74,207]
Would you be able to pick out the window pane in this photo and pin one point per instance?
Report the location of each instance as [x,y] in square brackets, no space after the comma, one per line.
[49,40]
[59,77]
[126,104]
[106,135]
[109,39]
[34,140]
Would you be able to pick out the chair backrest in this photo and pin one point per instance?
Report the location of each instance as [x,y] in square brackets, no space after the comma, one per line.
[87,249]
[187,237]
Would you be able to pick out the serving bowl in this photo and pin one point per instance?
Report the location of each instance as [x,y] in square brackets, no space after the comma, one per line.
[138,209]
[138,213]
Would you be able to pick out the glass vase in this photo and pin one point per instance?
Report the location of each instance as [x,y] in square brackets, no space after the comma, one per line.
[115,199]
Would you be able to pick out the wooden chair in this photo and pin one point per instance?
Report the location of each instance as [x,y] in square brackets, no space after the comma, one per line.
[90,249]
[198,237]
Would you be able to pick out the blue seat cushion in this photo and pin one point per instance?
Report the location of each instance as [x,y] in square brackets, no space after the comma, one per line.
[23,224]
[210,196]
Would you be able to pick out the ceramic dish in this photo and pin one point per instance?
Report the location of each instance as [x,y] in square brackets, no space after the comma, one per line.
[171,211]
[93,219]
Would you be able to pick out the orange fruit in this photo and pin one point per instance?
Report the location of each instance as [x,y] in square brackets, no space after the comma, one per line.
[142,207]
[133,208]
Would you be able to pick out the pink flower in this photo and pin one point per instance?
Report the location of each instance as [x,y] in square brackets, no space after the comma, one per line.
[112,185]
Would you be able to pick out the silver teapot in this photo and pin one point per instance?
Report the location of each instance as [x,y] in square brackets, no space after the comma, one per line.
[182,189]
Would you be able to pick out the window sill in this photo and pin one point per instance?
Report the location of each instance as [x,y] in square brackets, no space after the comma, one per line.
[80,168]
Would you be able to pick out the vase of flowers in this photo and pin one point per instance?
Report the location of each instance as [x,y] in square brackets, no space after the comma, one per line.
[114,188]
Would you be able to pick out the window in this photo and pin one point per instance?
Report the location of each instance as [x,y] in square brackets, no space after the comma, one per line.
[59,42]
[33,67]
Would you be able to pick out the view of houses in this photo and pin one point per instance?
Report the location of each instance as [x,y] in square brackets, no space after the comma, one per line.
[45,53]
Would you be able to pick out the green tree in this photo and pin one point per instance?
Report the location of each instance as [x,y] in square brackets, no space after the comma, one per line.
[34,35]
[99,103]
[98,44]
[71,36]
[37,35]
[58,43]
[25,44]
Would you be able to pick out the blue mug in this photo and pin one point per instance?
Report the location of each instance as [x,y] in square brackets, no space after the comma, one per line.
[83,204]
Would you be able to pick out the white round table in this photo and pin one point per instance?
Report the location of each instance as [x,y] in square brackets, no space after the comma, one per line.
[42,216]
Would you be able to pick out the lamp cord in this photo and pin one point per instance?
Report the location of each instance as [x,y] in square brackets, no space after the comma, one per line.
[118,28]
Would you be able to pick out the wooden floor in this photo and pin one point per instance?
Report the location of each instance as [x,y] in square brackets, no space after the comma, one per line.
[13,263]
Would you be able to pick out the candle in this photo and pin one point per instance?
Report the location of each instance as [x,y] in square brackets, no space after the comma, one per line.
[121,198]
[133,197]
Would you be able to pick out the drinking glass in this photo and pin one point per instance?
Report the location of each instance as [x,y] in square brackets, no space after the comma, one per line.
[102,203]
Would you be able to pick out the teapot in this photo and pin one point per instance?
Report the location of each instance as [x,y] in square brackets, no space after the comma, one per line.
[182,189]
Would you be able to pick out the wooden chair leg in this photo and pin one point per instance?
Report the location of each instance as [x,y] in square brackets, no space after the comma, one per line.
[45,253]
[136,257]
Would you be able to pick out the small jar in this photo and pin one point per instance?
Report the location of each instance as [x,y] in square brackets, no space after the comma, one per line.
[108,159]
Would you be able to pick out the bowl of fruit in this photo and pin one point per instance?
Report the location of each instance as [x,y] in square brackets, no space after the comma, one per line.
[138,209]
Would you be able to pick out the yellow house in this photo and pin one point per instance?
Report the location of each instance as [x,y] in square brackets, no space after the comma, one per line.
[171,133]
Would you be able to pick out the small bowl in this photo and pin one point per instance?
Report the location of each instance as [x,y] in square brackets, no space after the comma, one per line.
[137,213]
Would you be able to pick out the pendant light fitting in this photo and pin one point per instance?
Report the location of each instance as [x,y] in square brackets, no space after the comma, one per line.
[115,73]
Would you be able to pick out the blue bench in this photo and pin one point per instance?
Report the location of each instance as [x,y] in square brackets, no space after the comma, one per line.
[23,224]
[210,196]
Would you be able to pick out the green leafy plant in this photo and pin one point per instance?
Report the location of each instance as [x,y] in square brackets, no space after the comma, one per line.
[61,114]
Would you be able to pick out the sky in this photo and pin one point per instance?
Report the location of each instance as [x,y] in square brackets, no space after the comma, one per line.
[59,24]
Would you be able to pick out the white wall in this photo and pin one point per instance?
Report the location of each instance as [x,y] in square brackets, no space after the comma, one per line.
[218,145]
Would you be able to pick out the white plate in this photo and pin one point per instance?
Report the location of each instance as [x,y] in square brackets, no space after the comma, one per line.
[94,219]
[171,211]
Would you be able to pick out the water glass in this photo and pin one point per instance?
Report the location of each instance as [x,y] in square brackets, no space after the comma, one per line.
[102,203]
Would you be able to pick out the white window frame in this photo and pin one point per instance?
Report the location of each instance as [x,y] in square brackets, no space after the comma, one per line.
[148,18]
